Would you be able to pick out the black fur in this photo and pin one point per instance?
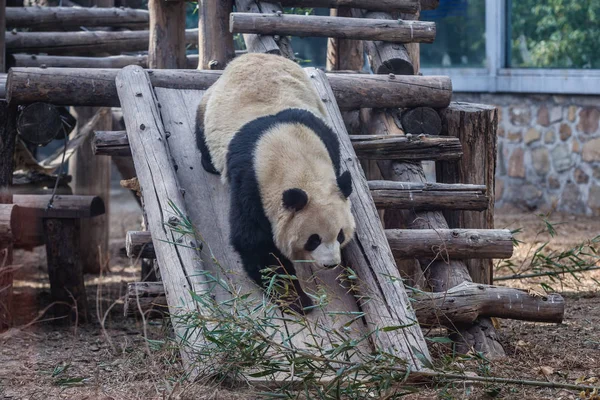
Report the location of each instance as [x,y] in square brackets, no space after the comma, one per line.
[250,230]
[344,182]
[295,199]
[206,159]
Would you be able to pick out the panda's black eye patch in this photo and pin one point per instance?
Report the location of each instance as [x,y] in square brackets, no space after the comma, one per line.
[312,243]
[341,237]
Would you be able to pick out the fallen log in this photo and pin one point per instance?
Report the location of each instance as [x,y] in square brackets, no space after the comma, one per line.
[461,304]
[397,31]
[406,6]
[115,143]
[83,43]
[96,87]
[44,18]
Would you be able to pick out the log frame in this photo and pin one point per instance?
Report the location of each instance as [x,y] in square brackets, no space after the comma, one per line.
[215,43]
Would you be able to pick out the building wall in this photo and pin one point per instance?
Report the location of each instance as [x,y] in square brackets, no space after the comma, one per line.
[548,150]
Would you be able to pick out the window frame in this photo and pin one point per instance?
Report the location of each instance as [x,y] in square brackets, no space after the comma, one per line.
[495,77]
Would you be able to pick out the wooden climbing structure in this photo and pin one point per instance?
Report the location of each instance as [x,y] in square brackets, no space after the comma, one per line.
[437,236]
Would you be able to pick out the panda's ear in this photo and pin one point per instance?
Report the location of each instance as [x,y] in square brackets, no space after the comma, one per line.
[344,182]
[295,199]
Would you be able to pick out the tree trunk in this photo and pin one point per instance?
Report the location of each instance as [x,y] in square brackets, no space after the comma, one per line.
[215,44]
[344,54]
[167,34]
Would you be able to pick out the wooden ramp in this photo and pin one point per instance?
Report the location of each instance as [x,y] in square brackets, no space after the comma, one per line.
[160,125]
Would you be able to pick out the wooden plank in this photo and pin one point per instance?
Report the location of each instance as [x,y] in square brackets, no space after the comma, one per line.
[461,304]
[121,61]
[369,253]
[84,43]
[168,37]
[179,265]
[137,245]
[215,44]
[476,127]
[366,146]
[49,18]
[96,87]
[318,26]
[407,6]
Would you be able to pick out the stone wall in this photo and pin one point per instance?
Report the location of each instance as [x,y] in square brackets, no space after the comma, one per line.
[548,150]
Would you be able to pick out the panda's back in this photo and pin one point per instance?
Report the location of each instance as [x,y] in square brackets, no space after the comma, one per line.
[252,86]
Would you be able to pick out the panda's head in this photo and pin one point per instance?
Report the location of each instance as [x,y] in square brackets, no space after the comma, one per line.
[318,223]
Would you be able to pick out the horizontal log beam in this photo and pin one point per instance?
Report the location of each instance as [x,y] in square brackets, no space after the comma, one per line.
[83,43]
[452,244]
[461,304]
[96,87]
[137,245]
[403,6]
[406,148]
[8,217]
[115,143]
[421,243]
[43,18]
[428,196]
[74,206]
[395,31]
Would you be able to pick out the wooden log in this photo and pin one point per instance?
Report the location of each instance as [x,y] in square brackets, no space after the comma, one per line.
[168,36]
[73,18]
[39,123]
[32,60]
[115,143]
[476,127]
[215,44]
[447,244]
[2,36]
[3,78]
[91,177]
[96,87]
[8,222]
[344,54]
[421,121]
[429,4]
[8,134]
[347,28]
[461,304]
[386,57]
[84,43]
[65,269]
[407,6]
[137,245]
[428,196]
[77,207]
[264,43]
[178,264]
[382,147]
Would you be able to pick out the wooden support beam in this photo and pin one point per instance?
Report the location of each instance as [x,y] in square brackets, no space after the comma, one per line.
[2,36]
[407,6]
[376,147]
[344,54]
[215,44]
[476,127]
[444,244]
[347,28]
[461,304]
[39,206]
[96,87]
[421,121]
[168,37]
[264,43]
[428,196]
[73,18]
[8,222]
[65,269]
[85,43]
[39,123]
[33,60]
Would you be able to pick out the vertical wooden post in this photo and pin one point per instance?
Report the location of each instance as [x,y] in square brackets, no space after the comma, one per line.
[215,42]
[167,34]
[91,176]
[65,269]
[2,35]
[6,258]
[475,125]
[344,54]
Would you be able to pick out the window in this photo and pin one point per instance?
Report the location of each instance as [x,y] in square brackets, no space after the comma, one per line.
[531,46]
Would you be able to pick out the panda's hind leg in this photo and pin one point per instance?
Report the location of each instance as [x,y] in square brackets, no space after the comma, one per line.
[206,160]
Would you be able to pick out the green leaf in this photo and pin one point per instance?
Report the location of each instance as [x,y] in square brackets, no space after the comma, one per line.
[439,339]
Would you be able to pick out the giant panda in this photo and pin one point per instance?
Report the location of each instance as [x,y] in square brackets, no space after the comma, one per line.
[262,127]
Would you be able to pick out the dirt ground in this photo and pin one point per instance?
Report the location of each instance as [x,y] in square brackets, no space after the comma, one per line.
[111,358]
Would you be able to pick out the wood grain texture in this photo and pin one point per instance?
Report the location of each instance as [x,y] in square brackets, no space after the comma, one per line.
[344,54]
[137,245]
[39,123]
[461,304]
[84,43]
[215,44]
[2,36]
[121,61]
[73,18]
[65,269]
[62,206]
[476,127]
[8,217]
[421,121]
[408,6]
[96,87]
[408,147]
[8,135]
[397,31]
[369,253]
[168,37]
